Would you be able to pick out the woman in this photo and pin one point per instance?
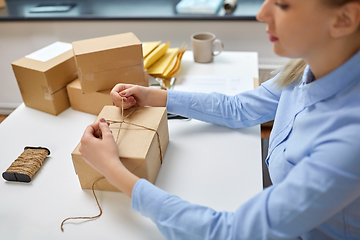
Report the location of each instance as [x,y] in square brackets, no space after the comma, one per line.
[314,153]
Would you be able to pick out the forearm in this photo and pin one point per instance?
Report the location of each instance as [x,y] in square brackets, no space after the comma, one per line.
[156,97]
[122,178]
[243,110]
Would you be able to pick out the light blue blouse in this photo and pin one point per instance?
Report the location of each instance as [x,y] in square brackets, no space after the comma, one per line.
[313,160]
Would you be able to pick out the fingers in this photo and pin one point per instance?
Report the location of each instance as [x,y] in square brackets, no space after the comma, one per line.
[123,95]
[133,90]
[105,130]
[88,136]
[121,89]
[126,102]
[90,130]
[126,90]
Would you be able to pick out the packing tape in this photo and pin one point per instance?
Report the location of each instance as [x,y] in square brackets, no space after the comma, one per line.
[141,66]
[125,72]
[47,93]
[89,77]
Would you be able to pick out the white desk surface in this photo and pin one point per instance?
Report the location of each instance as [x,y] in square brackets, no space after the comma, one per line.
[205,164]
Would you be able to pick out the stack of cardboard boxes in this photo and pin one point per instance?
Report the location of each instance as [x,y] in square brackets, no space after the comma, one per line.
[82,76]
[101,64]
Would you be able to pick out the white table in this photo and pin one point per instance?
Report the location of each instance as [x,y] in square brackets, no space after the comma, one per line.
[204,164]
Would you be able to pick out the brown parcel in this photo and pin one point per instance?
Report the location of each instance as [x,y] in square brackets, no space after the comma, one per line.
[43,84]
[105,61]
[92,102]
[138,147]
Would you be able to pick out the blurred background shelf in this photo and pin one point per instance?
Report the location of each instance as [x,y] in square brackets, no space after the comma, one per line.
[22,10]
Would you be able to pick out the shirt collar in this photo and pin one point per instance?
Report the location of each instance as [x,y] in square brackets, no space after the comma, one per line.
[331,83]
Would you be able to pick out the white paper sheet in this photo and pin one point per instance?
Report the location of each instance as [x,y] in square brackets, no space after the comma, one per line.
[229,85]
[50,52]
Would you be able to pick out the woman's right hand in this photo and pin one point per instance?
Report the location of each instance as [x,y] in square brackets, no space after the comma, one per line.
[128,95]
[131,94]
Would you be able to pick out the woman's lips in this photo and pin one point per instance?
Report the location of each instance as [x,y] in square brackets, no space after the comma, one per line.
[272,38]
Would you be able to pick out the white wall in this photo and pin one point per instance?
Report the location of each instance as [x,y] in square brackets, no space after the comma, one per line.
[18,39]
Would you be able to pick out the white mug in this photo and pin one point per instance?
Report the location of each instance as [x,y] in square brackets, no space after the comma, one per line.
[203,45]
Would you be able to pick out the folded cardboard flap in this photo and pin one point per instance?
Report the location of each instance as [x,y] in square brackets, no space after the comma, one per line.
[138,147]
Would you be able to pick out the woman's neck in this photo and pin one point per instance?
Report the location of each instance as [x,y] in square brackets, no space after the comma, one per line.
[333,55]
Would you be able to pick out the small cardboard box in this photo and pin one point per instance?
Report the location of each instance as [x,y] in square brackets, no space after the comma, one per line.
[138,147]
[43,83]
[105,61]
[92,102]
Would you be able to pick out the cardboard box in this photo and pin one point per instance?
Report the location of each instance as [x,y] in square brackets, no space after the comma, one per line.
[103,62]
[91,103]
[43,84]
[138,147]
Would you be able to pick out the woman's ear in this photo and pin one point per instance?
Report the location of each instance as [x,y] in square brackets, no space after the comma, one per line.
[347,20]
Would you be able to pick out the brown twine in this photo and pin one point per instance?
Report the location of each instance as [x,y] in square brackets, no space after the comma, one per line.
[88,218]
[29,162]
[100,136]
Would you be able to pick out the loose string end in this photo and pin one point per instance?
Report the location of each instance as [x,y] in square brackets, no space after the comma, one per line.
[88,218]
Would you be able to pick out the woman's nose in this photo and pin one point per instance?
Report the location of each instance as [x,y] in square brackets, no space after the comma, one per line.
[264,14]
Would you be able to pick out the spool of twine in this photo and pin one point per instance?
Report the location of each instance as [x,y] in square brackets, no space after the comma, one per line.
[99,135]
[26,165]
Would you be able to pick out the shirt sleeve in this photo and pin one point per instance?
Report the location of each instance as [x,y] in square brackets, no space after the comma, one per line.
[317,188]
[242,110]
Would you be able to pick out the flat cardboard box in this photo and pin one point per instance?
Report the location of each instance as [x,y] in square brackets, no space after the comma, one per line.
[105,61]
[138,147]
[92,102]
[43,84]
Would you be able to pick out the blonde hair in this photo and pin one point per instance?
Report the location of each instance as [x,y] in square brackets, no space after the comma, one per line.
[290,73]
